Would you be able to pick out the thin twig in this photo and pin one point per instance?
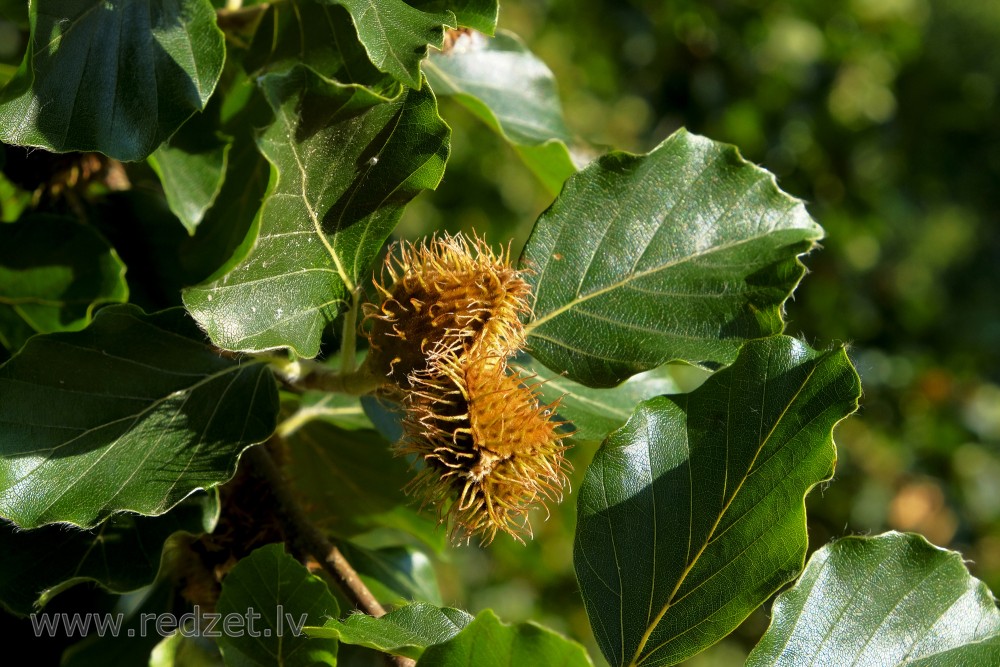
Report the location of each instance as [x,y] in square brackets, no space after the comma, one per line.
[310,540]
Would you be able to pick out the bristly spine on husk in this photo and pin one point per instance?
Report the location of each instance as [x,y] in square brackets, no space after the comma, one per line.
[451,296]
[491,450]
[448,320]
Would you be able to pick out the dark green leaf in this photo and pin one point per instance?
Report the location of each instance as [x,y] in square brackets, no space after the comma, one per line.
[352,482]
[344,163]
[135,638]
[131,414]
[486,642]
[593,413]
[395,575]
[191,167]
[319,35]
[115,76]
[396,35]
[894,599]
[692,514]
[406,631]
[53,273]
[122,554]
[680,254]
[508,88]
[244,111]
[287,598]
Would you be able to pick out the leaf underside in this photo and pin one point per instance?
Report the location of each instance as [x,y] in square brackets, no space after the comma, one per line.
[504,85]
[405,631]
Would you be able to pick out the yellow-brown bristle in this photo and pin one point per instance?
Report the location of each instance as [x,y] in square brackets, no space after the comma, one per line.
[491,450]
[450,296]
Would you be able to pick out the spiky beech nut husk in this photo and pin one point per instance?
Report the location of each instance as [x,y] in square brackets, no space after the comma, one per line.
[450,296]
[491,450]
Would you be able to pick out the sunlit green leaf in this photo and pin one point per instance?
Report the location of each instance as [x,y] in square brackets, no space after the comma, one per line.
[480,15]
[894,599]
[486,642]
[115,76]
[191,167]
[683,253]
[593,413]
[692,514]
[508,88]
[396,34]
[340,410]
[122,554]
[53,273]
[133,413]
[179,650]
[344,163]
[406,631]
[284,597]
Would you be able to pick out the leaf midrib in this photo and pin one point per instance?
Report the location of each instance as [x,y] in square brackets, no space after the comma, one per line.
[632,276]
[638,657]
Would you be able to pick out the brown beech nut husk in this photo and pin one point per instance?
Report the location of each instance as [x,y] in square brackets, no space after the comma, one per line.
[448,296]
[491,450]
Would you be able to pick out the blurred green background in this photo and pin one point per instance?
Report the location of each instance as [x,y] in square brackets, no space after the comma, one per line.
[883,116]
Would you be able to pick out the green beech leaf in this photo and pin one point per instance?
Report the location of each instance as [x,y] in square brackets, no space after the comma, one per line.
[225,225]
[406,631]
[287,598]
[396,35]
[395,575]
[53,273]
[319,35]
[352,482]
[122,554]
[894,599]
[178,650]
[344,163]
[680,254]
[521,644]
[480,15]
[191,167]
[115,76]
[504,85]
[136,636]
[693,514]
[593,413]
[131,414]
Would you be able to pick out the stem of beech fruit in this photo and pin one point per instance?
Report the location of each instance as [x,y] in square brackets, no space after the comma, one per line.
[349,339]
[358,383]
[309,539]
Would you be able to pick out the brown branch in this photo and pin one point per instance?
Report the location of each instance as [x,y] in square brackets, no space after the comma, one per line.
[310,540]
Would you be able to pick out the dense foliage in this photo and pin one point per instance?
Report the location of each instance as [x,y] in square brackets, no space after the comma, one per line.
[208,407]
